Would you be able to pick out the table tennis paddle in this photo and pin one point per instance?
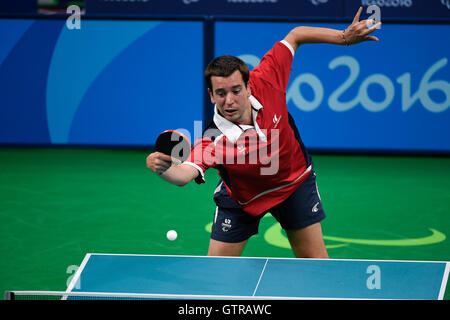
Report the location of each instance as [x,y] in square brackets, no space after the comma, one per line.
[174,144]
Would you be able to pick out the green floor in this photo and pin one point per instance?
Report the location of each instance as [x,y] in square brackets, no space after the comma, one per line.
[56,205]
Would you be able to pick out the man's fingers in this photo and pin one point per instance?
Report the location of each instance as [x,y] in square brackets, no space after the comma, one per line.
[358,14]
[164,157]
[377,25]
[372,28]
[369,22]
[170,160]
[371,38]
[159,162]
[164,162]
[162,165]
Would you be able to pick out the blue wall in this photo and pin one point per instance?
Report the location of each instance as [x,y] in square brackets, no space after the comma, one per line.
[388,95]
[297,9]
[122,82]
[109,83]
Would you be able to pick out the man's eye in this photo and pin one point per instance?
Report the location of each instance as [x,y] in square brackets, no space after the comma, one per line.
[236,92]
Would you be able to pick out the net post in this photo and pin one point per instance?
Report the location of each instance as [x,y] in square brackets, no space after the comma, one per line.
[9,295]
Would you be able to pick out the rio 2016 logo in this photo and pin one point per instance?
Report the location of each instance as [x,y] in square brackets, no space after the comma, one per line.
[408,98]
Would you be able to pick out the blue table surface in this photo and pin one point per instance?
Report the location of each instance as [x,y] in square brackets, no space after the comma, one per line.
[261,277]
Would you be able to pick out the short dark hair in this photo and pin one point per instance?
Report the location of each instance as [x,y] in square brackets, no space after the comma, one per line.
[224,66]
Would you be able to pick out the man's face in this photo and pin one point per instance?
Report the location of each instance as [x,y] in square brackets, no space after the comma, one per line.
[231,97]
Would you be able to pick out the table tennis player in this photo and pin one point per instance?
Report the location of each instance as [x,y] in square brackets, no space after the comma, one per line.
[255,145]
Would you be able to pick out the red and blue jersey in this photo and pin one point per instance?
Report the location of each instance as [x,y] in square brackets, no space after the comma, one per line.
[263,164]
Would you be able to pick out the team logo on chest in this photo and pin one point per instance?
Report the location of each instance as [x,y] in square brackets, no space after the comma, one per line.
[276,119]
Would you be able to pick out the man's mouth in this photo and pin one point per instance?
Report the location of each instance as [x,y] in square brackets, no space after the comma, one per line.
[230,112]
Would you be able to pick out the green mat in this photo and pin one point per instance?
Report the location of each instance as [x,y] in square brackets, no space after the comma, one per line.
[56,205]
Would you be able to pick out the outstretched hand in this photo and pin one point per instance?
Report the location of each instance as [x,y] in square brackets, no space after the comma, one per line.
[158,162]
[359,31]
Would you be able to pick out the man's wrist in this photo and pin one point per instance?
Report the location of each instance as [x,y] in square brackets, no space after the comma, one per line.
[344,38]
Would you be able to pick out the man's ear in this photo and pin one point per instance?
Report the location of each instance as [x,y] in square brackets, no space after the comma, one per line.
[211,96]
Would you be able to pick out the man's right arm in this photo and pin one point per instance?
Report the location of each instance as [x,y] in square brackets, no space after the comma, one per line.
[357,32]
[163,166]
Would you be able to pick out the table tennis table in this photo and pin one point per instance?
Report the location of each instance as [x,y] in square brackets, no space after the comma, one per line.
[200,277]
[203,277]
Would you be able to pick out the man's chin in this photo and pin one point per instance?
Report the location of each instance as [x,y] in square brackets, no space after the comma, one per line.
[232,118]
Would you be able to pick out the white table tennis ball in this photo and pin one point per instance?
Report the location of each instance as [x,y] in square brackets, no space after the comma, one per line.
[172,235]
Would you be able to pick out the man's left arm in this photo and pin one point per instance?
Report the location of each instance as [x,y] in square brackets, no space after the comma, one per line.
[357,32]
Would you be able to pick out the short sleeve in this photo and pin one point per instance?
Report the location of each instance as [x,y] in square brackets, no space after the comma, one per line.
[275,66]
[202,157]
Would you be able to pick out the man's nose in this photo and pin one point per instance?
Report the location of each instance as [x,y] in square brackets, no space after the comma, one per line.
[229,98]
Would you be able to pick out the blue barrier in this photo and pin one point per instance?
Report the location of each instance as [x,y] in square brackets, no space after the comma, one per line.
[109,83]
[393,95]
[249,8]
[121,82]
[412,10]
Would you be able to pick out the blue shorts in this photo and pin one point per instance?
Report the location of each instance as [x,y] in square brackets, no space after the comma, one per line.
[231,224]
